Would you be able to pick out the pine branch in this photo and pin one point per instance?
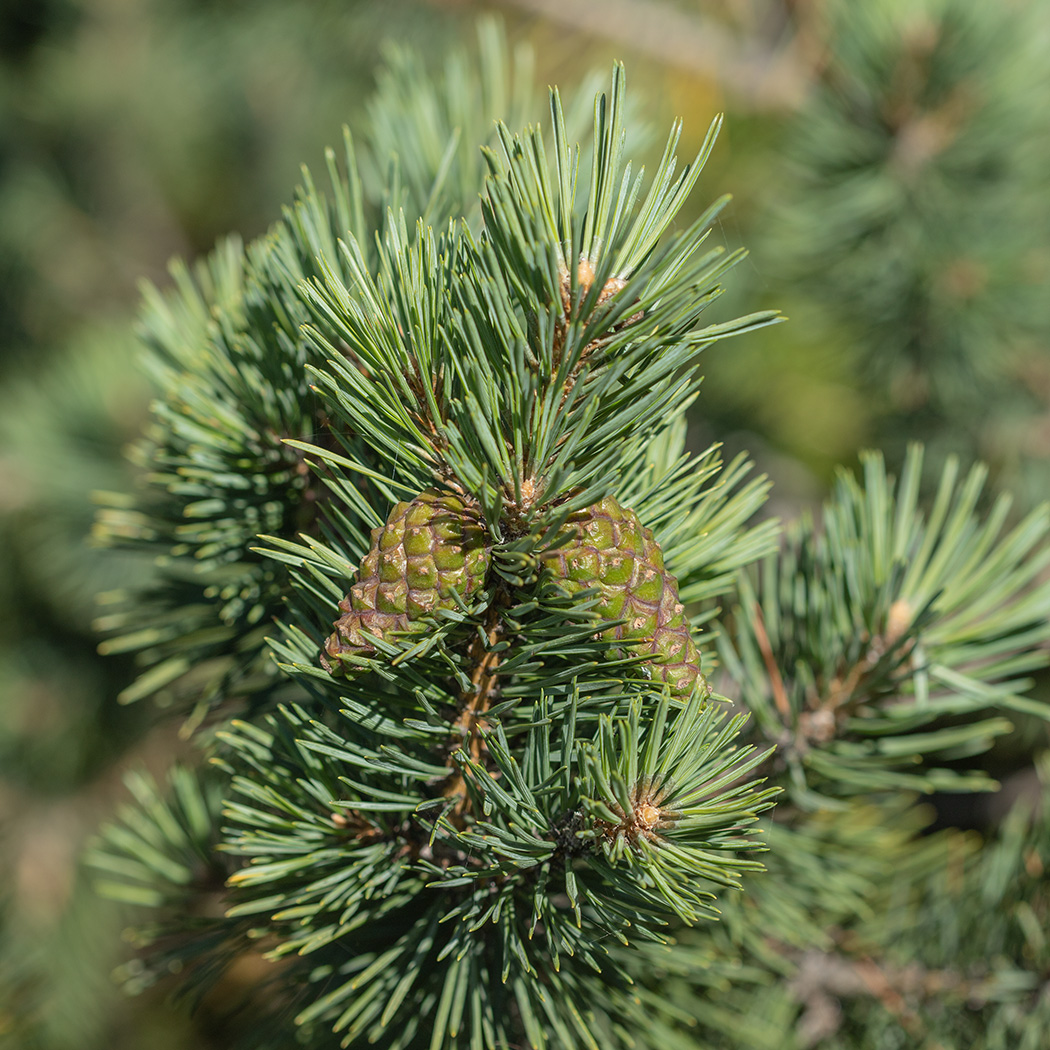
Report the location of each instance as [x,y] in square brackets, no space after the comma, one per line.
[892,637]
[947,948]
[221,464]
[446,315]
[431,459]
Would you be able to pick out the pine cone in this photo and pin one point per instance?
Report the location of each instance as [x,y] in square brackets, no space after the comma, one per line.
[610,549]
[429,547]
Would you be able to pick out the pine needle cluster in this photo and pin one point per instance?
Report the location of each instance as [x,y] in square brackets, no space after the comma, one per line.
[475,810]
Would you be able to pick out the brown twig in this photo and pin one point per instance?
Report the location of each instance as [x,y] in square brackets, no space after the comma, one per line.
[585,277]
[842,687]
[825,979]
[880,983]
[780,697]
[476,701]
[483,680]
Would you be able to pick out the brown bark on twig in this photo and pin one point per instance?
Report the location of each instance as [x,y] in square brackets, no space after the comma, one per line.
[476,702]
[780,697]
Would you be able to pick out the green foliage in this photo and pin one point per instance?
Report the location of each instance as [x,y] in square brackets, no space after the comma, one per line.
[228,349]
[483,366]
[769,976]
[501,830]
[459,835]
[352,855]
[129,133]
[968,938]
[891,637]
[162,855]
[944,946]
[219,474]
[912,209]
[421,151]
[61,433]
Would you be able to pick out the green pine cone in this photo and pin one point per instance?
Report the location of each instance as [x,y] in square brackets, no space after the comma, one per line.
[428,547]
[611,549]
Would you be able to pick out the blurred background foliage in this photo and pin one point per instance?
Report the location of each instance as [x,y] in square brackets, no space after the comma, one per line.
[889,163]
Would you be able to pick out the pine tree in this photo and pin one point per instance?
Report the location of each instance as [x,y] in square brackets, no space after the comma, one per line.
[911,208]
[499,685]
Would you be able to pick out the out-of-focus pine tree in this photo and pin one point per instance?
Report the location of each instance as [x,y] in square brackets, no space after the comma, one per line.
[910,209]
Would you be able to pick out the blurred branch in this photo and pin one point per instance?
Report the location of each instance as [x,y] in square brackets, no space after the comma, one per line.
[759,75]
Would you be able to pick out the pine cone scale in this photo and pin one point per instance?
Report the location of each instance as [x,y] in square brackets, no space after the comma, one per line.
[429,547]
[609,549]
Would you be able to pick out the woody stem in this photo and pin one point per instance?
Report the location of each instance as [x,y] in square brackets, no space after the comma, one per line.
[476,701]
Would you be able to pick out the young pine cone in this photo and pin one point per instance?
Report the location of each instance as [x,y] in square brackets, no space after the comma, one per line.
[611,550]
[429,547]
